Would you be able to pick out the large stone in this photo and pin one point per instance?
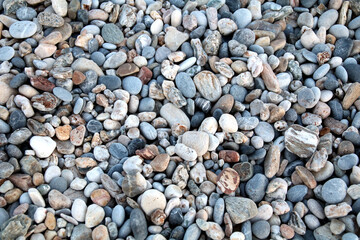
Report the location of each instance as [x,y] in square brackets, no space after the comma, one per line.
[43,146]
[151,200]
[15,227]
[199,141]
[240,209]
[83,65]
[22,29]
[174,38]
[208,85]
[134,185]
[301,141]
[174,115]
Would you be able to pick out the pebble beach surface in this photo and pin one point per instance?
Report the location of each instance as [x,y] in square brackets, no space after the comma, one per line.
[196,119]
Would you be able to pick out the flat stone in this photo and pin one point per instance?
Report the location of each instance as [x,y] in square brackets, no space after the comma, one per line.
[43,146]
[50,19]
[22,29]
[334,190]
[83,65]
[112,33]
[15,227]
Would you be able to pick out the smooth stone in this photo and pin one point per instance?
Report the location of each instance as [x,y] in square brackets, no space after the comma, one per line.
[265,131]
[22,29]
[138,224]
[297,193]
[118,215]
[334,191]
[6,53]
[242,17]
[63,94]
[43,146]
[174,115]
[185,84]
[111,82]
[347,162]
[328,18]
[132,84]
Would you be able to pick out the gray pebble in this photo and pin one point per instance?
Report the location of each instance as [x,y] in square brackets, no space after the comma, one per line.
[334,191]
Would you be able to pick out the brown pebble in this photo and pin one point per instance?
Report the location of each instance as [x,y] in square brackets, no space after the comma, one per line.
[160,162]
[63,132]
[101,197]
[287,231]
[229,156]
[42,84]
[50,221]
[306,176]
[38,179]
[78,77]
[351,95]
[158,217]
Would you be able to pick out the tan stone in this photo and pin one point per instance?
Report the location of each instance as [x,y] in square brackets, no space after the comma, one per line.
[351,95]
[160,162]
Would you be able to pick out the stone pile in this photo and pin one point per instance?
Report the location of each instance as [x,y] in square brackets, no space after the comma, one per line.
[197,119]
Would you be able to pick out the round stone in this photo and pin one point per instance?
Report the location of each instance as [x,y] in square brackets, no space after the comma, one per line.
[347,162]
[261,229]
[242,17]
[334,191]
[132,84]
[151,200]
[26,13]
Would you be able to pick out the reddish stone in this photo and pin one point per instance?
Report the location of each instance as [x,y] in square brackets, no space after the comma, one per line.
[158,217]
[145,75]
[76,119]
[45,102]
[21,209]
[229,156]
[22,181]
[101,197]
[42,83]
[228,180]
[149,152]
[77,135]
[78,77]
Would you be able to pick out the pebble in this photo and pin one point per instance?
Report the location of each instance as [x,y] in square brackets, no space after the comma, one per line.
[242,17]
[43,146]
[163,120]
[334,190]
[22,29]
[6,53]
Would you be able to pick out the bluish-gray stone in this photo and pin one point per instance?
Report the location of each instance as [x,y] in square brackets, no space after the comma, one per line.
[132,84]
[185,84]
[111,82]
[297,193]
[347,162]
[334,191]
